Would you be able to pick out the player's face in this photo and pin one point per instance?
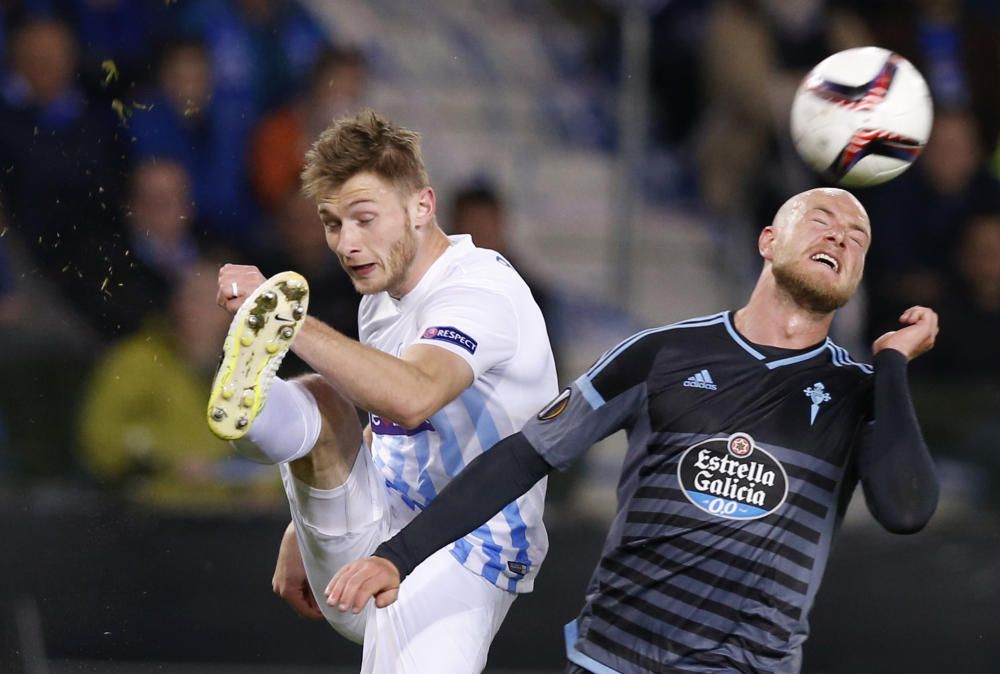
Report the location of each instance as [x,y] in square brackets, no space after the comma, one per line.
[818,254]
[368,226]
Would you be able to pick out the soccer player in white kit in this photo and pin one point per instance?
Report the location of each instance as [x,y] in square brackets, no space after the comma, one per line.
[453,356]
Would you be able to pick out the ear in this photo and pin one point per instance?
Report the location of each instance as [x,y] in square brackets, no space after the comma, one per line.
[765,243]
[424,207]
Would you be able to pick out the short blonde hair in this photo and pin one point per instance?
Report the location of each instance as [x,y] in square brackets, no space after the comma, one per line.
[366,142]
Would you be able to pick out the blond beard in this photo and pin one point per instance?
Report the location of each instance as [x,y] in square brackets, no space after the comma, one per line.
[397,262]
[807,292]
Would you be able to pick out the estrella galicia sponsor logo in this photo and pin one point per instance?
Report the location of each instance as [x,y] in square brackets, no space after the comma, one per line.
[732,478]
[556,407]
[382,426]
[453,335]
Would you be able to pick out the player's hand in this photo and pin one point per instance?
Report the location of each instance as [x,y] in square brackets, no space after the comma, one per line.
[236,282]
[289,581]
[916,338]
[359,581]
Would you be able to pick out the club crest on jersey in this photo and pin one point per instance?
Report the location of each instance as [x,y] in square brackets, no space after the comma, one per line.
[732,478]
[556,407]
[818,395]
[451,335]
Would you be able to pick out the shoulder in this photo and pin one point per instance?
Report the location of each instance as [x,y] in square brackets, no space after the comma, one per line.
[471,262]
[841,358]
[481,270]
[690,331]
[640,350]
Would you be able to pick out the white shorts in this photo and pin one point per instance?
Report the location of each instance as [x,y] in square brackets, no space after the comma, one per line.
[445,616]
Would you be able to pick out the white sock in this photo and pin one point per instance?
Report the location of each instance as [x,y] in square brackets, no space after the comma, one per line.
[287,427]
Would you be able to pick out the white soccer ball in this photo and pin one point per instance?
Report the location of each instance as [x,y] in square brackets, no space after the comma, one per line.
[862,116]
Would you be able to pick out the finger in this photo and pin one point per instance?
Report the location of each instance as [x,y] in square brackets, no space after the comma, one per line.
[383,599]
[302,607]
[335,587]
[363,585]
[311,608]
[345,601]
[367,590]
[340,587]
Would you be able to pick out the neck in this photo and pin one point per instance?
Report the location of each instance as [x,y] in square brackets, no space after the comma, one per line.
[433,246]
[773,318]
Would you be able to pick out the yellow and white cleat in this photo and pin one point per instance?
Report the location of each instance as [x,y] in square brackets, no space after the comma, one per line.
[259,337]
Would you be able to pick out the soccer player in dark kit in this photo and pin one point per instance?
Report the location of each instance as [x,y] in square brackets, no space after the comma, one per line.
[747,434]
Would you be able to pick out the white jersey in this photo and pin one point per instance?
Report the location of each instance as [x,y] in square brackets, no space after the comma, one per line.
[472,303]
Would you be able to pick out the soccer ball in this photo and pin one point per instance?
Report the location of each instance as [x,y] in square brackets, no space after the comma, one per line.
[861,116]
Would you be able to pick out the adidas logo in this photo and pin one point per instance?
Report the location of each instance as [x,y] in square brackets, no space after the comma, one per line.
[701,380]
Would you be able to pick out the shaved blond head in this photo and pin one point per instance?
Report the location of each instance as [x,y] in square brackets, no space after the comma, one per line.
[793,209]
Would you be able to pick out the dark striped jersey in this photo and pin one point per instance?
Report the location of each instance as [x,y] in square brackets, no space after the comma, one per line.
[737,474]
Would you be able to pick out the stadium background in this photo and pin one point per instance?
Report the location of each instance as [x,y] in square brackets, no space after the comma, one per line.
[635,148]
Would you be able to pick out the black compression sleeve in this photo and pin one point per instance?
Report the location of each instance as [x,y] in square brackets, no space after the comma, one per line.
[482,489]
[896,469]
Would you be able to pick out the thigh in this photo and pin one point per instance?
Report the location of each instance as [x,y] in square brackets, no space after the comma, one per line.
[337,526]
[443,621]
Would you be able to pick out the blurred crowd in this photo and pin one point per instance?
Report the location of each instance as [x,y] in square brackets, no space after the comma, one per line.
[145,142]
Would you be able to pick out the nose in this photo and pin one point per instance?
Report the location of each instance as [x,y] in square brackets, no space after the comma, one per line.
[348,240]
[836,233]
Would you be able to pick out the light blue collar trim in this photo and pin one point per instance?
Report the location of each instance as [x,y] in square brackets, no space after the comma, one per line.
[798,359]
[739,340]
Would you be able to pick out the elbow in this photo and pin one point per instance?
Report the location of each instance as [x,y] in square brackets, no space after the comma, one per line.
[409,415]
[914,517]
[907,524]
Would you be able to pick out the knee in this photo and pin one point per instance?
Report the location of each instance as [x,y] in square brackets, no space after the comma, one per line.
[339,414]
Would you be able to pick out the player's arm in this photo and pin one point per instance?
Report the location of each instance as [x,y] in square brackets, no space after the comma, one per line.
[597,404]
[406,390]
[482,489]
[289,580]
[895,466]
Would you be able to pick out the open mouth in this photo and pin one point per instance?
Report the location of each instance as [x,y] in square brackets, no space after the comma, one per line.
[828,260]
[363,269]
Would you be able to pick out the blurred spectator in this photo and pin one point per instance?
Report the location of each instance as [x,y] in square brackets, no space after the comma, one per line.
[479,211]
[59,176]
[581,39]
[335,89]
[971,314]
[953,43]
[160,245]
[261,50]
[755,54]
[142,426]
[260,53]
[917,220]
[182,121]
[123,31]
[298,243]
[958,395]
